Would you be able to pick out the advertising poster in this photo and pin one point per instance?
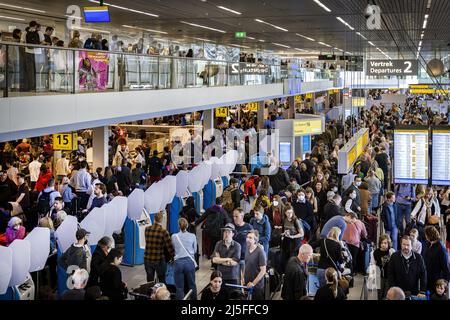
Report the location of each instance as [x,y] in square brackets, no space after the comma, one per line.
[93,71]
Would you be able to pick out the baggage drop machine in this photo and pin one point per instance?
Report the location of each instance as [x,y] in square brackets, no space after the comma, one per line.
[135,239]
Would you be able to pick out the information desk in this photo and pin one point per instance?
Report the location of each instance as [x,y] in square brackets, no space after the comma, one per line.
[411,163]
[440,167]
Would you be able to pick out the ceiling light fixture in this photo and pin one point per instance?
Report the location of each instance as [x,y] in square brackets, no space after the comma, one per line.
[422,35]
[348,53]
[308,38]
[298,49]
[324,44]
[139,28]
[11,18]
[322,5]
[420,43]
[204,27]
[261,40]
[229,10]
[345,23]
[201,39]
[371,43]
[251,38]
[73,17]
[429,4]
[280,45]
[23,8]
[359,34]
[126,9]
[425,21]
[272,25]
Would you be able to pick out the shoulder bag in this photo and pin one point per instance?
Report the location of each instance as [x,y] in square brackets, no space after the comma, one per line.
[193,260]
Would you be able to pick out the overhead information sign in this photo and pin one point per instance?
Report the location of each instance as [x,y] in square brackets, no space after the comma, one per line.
[429,91]
[411,155]
[392,68]
[221,112]
[252,106]
[245,68]
[310,126]
[440,167]
[350,152]
[65,141]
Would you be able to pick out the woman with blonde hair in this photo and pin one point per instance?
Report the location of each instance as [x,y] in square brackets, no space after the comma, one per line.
[312,199]
[185,245]
[331,290]
[264,188]
[330,253]
[46,222]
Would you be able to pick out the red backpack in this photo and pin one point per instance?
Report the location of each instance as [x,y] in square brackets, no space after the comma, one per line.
[250,187]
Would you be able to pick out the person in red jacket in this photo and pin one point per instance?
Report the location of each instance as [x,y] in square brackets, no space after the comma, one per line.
[44,176]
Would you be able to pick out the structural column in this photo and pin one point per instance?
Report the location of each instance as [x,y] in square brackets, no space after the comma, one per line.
[208,123]
[261,114]
[291,110]
[100,146]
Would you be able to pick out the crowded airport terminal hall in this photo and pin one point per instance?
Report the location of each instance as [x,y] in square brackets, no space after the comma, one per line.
[224,150]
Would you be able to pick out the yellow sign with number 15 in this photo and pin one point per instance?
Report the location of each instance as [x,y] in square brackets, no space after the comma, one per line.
[64,141]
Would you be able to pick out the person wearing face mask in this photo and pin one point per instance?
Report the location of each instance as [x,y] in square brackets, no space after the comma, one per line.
[407,270]
[78,254]
[292,234]
[355,187]
[15,230]
[104,246]
[304,211]
[350,204]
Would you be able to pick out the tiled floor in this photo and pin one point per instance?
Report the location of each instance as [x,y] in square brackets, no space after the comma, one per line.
[136,276]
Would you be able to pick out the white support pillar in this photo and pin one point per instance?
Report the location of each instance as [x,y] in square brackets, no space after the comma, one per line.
[100,146]
[208,123]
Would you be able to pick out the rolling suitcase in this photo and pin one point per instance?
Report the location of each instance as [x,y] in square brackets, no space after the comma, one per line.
[275,259]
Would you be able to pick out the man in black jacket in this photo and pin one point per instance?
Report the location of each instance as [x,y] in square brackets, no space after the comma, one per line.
[296,275]
[155,167]
[98,261]
[294,172]
[407,270]
[332,208]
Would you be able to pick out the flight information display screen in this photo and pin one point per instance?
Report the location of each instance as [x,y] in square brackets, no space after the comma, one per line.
[440,167]
[411,161]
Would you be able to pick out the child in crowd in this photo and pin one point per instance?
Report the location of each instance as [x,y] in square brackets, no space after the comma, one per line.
[441,290]
[415,243]
[67,194]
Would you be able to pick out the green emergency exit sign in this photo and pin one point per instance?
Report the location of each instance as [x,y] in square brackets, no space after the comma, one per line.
[240,34]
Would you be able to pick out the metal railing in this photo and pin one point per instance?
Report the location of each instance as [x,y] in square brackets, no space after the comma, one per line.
[27,69]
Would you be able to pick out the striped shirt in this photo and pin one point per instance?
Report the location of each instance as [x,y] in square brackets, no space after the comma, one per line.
[156,240]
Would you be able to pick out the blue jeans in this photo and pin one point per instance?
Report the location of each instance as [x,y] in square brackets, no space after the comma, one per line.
[159,267]
[184,268]
[394,237]
[375,201]
[403,212]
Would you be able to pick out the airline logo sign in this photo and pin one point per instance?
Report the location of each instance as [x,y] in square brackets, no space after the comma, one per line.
[392,67]
[244,68]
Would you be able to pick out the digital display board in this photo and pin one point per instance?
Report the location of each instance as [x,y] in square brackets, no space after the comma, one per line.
[411,163]
[96,14]
[306,144]
[285,152]
[440,167]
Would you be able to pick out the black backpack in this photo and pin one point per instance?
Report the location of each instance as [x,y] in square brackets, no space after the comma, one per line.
[32,37]
[43,205]
[214,223]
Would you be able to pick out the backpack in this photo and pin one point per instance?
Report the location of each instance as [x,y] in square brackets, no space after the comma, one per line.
[250,188]
[43,205]
[227,199]
[32,37]
[214,223]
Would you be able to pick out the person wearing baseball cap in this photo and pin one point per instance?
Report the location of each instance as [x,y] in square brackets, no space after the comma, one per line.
[78,254]
[227,255]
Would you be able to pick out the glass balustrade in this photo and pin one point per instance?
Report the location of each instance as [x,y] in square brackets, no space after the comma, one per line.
[39,70]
